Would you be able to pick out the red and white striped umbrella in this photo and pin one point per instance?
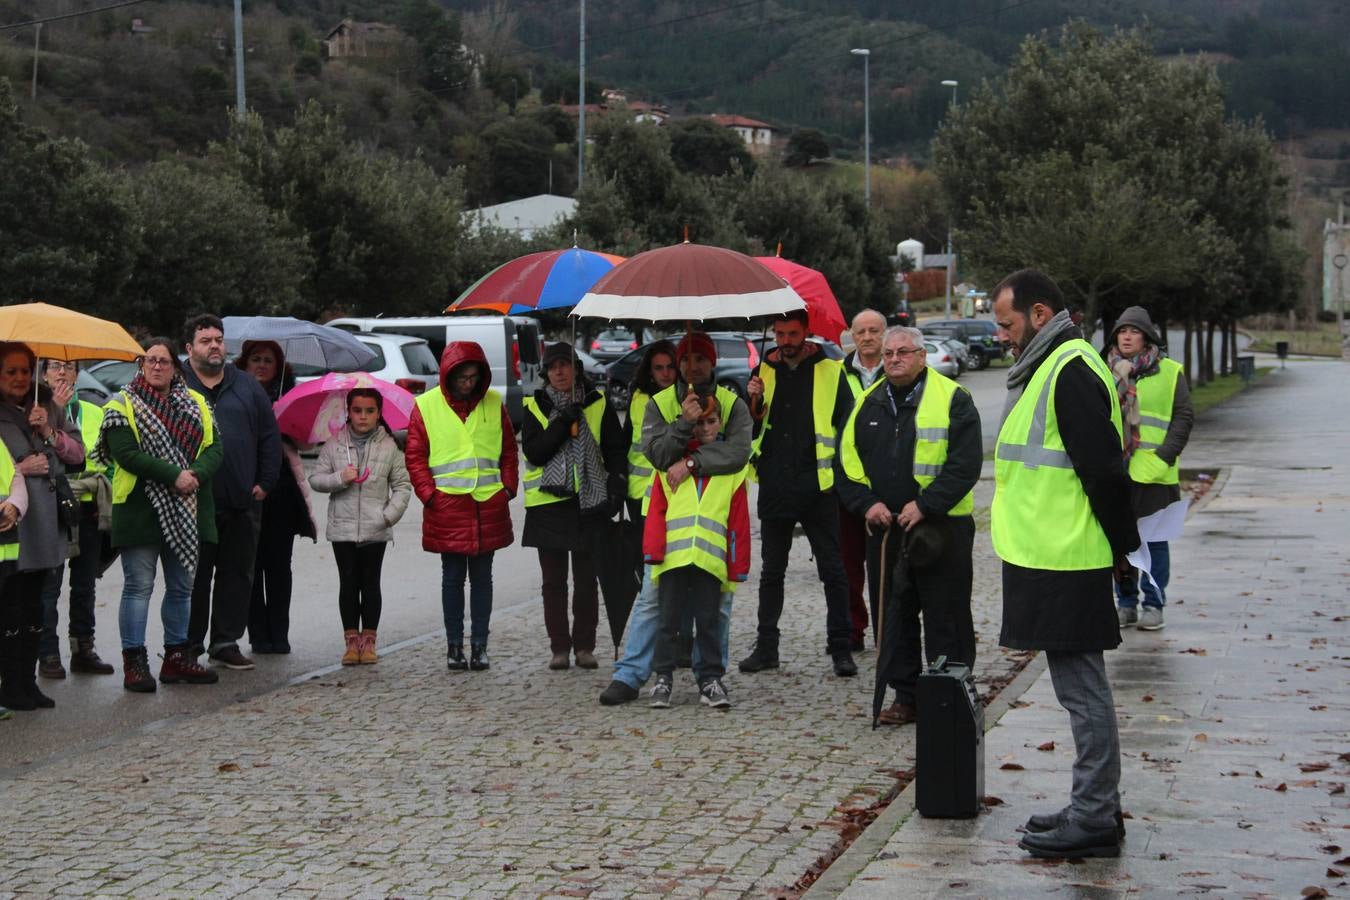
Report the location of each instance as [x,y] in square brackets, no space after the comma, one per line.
[688,282]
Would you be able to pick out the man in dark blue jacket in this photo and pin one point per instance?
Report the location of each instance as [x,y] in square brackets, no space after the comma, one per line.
[252,463]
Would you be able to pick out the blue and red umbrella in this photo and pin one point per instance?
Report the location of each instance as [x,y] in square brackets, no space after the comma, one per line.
[552,279]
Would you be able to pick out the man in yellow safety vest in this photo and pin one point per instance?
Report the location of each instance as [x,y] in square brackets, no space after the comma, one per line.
[1062,525]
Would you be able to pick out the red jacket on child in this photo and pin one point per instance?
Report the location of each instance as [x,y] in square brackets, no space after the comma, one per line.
[738,527]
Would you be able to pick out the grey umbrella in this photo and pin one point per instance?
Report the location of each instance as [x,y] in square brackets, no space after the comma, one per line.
[305,344]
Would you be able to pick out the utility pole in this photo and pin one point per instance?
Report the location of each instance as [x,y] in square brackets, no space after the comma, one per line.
[951,268]
[37,36]
[867,124]
[239,107]
[581,103]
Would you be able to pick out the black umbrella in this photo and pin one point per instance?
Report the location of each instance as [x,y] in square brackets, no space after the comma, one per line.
[616,548]
[921,548]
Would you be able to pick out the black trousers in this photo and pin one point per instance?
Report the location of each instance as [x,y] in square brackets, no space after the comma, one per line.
[683,590]
[929,613]
[821,524]
[223,587]
[269,612]
[359,598]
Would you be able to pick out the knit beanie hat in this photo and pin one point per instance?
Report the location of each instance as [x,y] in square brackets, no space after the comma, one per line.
[696,342]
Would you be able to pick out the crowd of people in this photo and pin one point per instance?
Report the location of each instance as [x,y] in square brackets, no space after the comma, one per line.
[875,457]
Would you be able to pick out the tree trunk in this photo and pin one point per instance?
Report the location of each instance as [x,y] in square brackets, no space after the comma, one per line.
[1232,343]
[1208,351]
[1186,353]
[1223,349]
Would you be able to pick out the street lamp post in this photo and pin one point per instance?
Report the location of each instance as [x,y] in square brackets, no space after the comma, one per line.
[951,269]
[867,124]
[240,107]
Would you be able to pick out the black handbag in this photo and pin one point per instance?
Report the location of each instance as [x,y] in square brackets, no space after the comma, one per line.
[67,507]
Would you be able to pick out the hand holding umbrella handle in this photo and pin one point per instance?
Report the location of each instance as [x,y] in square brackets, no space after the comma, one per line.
[709,403]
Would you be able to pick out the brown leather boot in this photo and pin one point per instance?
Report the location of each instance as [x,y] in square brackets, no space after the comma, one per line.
[85,659]
[180,668]
[368,654]
[136,671]
[352,655]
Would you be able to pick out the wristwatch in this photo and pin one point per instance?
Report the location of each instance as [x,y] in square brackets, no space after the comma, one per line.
[689,463]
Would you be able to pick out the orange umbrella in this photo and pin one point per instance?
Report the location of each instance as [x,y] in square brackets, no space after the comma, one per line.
[56,333]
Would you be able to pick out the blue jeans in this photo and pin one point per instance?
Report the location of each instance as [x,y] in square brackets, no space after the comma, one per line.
[1155,588]
[644,623]
[454,568]
[138,574]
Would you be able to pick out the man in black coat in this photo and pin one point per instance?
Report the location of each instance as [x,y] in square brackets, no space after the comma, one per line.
[1061,522]
[900,472]
[803,401]
[223,587]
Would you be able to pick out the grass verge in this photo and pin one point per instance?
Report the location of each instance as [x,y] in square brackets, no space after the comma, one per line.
[1322,341]
[1220,389]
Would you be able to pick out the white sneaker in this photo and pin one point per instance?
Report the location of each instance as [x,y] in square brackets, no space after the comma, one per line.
[1127,616]
[661,691]
[1151,619]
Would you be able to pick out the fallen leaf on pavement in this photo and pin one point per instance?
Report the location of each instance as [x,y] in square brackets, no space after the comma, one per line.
[1196,651]
[990,800]
[1338,789]
[1148,698]
[1335,873]
[1047,746]
[1012,767]
[1313,767]
[1313,891]
[228,767]
[1201,737]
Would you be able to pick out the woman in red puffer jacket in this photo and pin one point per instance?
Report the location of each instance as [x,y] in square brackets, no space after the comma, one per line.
[461,456]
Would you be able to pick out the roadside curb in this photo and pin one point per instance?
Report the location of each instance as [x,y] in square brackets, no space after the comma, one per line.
[867,845]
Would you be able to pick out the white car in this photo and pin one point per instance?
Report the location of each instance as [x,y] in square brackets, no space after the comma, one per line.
[399,359]
[941,358]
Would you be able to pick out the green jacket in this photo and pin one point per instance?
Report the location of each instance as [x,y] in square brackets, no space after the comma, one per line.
[134,522]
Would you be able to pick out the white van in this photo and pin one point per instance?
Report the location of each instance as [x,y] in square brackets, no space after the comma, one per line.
[510,343]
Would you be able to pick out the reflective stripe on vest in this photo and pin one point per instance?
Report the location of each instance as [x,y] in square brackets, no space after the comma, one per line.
[464,455]
[123,482]
[9,540]
[824,390]
[1041,518]
[534,496]
[931,423]
[1156,394]
[91,420]
[696,525]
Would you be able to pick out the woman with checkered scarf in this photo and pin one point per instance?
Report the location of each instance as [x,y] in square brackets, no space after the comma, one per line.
[163,440]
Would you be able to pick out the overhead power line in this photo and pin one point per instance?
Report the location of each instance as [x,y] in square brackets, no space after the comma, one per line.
[84,12]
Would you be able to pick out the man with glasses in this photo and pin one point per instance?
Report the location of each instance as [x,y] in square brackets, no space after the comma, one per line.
[911,453]
[223,587]
[87,417]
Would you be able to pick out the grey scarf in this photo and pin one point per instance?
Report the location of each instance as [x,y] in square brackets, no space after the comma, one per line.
[577,469]
[1031,358]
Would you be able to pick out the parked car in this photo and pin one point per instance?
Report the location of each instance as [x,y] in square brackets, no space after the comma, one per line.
[90,389]
[766,344]
[955,345]
[941,358]
[113,374]
[979,335]
[612,343]
[399,359]
[902,314]
[510,343]
[736,356]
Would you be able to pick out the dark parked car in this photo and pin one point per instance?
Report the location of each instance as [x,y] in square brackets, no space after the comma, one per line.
[736,356]
[613,343]
[979,335]
[902,315]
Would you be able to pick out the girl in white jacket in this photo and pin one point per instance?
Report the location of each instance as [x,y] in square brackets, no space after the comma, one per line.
[363,468]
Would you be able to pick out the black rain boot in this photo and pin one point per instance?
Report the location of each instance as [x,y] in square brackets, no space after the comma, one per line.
[13,687]
[454,658]
[32,637]
[85,659]
[478,658]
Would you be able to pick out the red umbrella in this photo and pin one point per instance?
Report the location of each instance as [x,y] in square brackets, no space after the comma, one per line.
[822,309]
[688,282]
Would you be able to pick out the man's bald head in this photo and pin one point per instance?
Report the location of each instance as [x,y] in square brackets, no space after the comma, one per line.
[867,329]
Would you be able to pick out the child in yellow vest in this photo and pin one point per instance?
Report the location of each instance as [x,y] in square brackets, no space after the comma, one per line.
[697,540]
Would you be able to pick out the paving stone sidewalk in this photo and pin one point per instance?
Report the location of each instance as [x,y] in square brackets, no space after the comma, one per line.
[1233,718]
[404,780]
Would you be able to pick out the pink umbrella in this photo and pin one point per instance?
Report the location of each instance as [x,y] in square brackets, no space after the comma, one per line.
[316,411]
[824,318]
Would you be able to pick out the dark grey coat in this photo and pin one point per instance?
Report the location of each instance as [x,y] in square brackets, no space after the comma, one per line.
[41,543]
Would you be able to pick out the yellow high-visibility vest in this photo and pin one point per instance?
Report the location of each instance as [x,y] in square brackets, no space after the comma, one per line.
[697,531]
[1041,517]
[464,455]
[932,421]
[1156,394]
[91,420]
[639,466]
[668,404]
[534,496]
[123,482]
[9,550]
[824,391]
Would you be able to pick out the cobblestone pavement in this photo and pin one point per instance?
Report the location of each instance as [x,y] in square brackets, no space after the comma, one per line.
[404,780]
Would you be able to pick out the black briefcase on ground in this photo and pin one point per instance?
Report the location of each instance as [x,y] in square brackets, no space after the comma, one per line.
[949,764]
